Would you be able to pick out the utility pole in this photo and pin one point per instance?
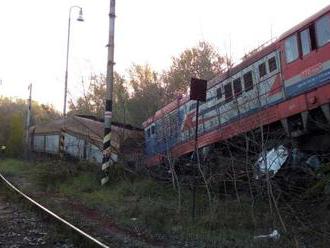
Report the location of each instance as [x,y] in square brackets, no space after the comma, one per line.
[28,120]
[107,153]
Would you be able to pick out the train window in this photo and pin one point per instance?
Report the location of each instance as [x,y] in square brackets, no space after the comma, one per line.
[272,64]
[262,70]
[305,42]
[228,92]
[219,93]
[291,48]
[152,130]
[237,87]
[148,132]
[248,81]
[323,30]
[312,37]
[158,131]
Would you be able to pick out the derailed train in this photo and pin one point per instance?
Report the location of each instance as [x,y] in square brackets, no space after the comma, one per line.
[284,84]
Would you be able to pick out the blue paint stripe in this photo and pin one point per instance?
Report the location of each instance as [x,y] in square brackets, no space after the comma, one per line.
[309,83]
[153,146]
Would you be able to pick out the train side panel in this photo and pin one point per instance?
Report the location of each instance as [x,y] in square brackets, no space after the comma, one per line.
[228,101]
[284,79]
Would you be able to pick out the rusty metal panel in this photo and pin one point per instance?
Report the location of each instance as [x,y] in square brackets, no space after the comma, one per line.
[74,146]
[51,143]
[38,143]
[93,153]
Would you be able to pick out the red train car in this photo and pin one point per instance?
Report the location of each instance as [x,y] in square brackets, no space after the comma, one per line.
[282,82]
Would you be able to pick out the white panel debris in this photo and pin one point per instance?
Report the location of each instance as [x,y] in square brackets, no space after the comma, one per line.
[275,235]
[272,160]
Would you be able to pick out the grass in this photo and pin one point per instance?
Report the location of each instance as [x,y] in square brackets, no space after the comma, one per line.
[319,187]
[13,167]
[146,205]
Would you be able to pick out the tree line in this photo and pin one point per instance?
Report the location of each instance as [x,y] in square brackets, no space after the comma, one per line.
[136,95]
[140,93]
[13,113]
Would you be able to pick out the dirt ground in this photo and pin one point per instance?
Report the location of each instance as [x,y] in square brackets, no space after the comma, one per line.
[20,227]
[90,221]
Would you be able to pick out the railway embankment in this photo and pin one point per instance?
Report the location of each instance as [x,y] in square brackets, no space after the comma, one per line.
[134,211]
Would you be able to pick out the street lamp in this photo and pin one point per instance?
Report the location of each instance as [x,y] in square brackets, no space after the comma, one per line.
[80,19]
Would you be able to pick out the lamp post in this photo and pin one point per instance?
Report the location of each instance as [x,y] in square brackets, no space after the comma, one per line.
[80,19]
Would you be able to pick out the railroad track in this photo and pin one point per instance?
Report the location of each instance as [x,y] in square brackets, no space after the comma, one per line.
[52,217]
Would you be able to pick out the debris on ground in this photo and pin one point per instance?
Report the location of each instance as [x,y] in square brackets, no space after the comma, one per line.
[271,161]
[275,235]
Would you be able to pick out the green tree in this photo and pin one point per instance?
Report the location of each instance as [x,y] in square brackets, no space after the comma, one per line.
[147,96]
[93,100]
[120,100]
[42,113]
[144,91]
[202,61]
[16,135]
[13,120]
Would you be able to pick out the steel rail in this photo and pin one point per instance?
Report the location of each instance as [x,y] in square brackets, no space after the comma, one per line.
[82,233]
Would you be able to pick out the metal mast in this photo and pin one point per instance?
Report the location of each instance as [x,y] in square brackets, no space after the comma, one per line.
[107,156]
[28,119]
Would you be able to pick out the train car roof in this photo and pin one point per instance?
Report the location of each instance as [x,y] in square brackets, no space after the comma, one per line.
[166,109]
[304,23]
[113,123]
[254,57]
[81,126]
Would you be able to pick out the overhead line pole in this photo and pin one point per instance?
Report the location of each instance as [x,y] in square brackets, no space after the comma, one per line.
[107,160]
[28,119]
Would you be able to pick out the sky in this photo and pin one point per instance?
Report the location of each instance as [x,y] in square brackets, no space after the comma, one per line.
[34,36]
